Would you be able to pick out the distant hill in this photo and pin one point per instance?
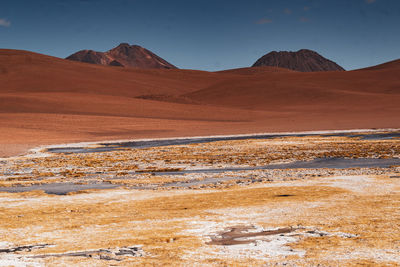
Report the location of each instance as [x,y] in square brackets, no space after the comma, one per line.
[124,55]
[394,64]
[303,60]
[47,100]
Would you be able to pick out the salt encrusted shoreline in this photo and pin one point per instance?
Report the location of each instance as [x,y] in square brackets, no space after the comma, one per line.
[39,151]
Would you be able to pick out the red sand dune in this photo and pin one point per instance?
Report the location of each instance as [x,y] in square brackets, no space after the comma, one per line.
[46,100]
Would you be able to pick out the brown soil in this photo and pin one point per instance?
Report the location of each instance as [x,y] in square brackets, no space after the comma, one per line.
[46,100]
[231,236]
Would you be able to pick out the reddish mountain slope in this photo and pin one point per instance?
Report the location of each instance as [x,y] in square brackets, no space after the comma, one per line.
[303,60]
[124,55]
[45,100]
[394,64]
[252,71]
[361,89]
[23,71]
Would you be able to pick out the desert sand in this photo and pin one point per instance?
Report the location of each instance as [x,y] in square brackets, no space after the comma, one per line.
[46,100]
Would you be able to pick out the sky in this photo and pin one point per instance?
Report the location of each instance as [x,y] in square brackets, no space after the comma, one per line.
[208,34]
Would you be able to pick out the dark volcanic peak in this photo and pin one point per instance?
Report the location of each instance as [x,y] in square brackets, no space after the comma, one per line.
[303,60]
[124,55]
[89,56]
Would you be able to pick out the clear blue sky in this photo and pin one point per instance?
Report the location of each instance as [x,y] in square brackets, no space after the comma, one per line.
[207,34]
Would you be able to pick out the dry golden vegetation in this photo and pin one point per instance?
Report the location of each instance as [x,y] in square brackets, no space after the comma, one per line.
[130,164]
[329,217]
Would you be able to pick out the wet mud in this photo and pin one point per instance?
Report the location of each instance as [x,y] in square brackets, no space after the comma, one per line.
[107,147]
[102,254]
[58,188]
[26,248]
[319,163]
[243,235]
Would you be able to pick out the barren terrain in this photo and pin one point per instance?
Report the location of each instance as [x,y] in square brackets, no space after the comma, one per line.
[47,100]
[166,207]
[78,187]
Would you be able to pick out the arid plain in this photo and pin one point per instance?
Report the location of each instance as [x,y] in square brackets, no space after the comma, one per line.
[101,165]
[58,101]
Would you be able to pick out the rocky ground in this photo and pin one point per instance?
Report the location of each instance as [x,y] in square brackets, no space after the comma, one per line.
[161,213]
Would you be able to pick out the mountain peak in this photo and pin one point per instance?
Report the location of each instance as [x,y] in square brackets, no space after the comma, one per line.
[123,44]
[124,55]
[303,60]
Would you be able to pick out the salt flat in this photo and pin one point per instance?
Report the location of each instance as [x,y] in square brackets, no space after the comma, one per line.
[295,216]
